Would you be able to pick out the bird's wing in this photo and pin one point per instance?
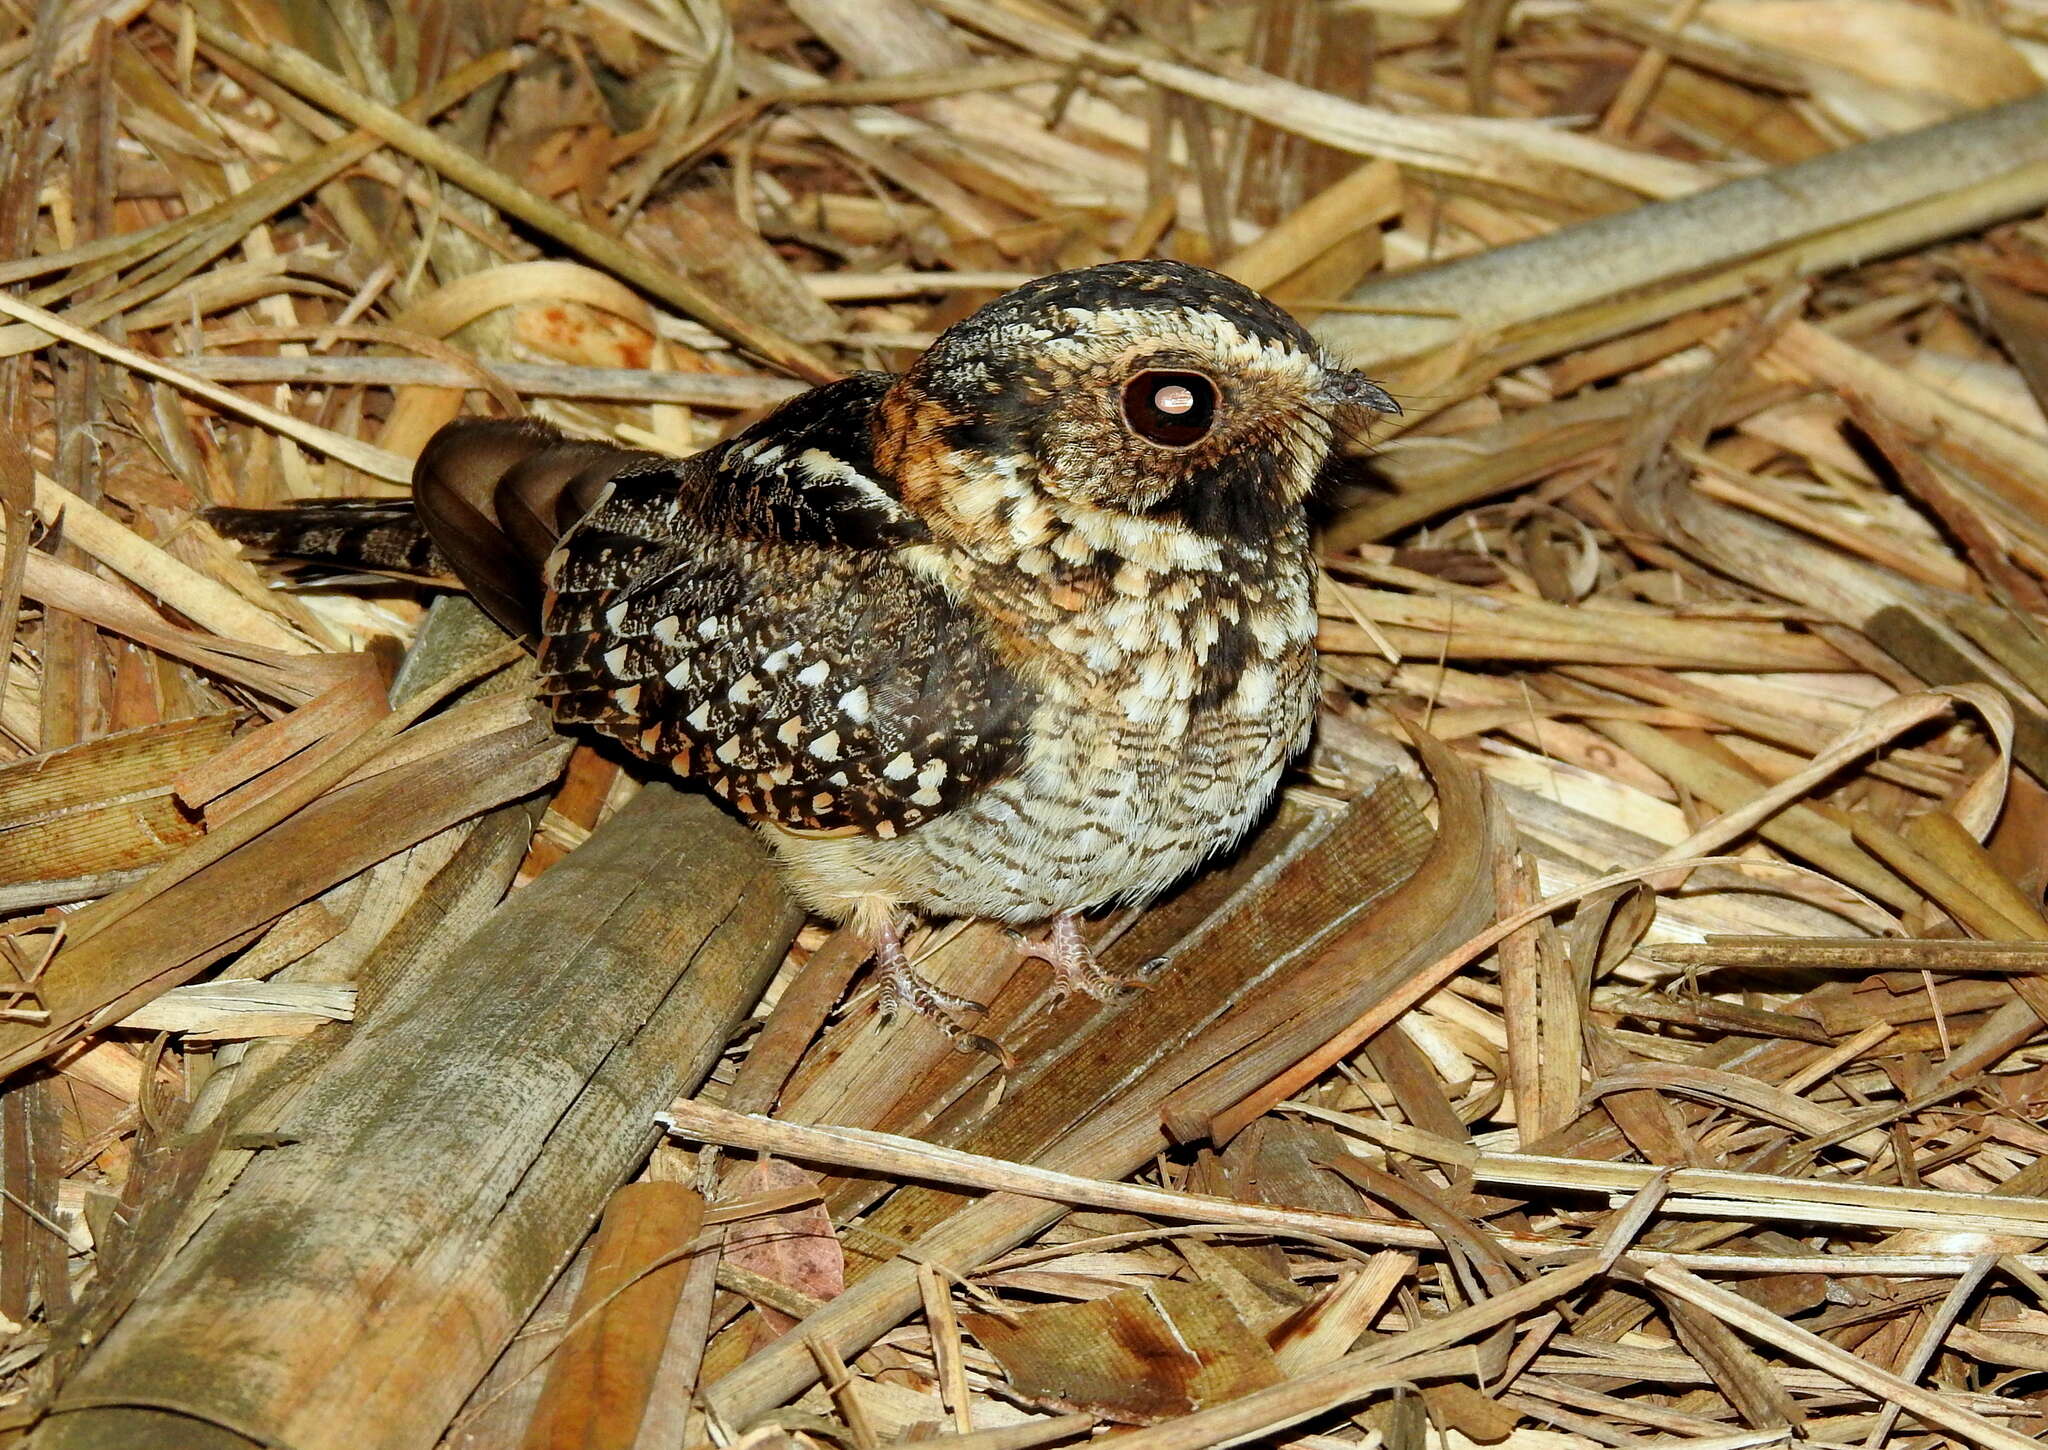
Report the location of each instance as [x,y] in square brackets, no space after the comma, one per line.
[750,616]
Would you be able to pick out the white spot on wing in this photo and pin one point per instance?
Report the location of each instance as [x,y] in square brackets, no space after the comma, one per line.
[825,468]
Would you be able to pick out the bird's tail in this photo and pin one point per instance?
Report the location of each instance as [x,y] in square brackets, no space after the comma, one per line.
[490,499]
[331,539]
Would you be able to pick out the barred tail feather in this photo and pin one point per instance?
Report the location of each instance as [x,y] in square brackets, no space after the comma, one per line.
[491,497]
[340,536]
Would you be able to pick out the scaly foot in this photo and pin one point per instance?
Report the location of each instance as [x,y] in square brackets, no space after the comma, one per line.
[901,986]
[1073,964]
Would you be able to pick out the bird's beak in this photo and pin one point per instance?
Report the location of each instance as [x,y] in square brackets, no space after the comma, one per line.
[1341,385]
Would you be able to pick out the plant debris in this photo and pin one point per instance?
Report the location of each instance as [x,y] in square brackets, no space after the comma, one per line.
[1630,1029]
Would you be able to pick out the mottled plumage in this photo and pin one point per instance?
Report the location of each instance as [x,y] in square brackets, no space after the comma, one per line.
[374,536]
[1024,631]
[750,618]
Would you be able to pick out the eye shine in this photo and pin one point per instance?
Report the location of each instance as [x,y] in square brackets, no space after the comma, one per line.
[1174,410]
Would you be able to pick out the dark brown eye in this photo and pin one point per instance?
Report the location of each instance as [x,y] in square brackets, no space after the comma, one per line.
[1171,409]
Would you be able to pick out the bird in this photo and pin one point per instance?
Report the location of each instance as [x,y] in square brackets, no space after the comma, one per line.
[1024,631]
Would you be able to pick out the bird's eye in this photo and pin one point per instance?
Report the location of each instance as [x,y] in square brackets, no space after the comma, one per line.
[1170,409]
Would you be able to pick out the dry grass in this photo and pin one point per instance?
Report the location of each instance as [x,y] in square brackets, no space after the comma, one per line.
[1630,1030]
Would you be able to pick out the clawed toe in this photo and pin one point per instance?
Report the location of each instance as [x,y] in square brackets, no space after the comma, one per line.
[1074,969]
[1075,973]
[901,987]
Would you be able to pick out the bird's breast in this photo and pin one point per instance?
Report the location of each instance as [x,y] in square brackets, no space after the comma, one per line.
[1169,692]
[1156,638]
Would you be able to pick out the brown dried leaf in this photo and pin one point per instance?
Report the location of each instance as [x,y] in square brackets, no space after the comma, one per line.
[1139,1356]
[105,805]
[797,1249]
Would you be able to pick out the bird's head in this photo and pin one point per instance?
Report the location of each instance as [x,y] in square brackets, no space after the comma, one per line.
[1146,391]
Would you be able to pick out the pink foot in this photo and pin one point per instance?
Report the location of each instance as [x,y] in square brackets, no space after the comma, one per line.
[901,986]
[1073,965]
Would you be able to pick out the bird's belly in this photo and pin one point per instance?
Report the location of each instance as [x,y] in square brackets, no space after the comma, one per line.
[1098,813]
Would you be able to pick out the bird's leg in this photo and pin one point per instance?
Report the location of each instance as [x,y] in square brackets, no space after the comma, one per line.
[1073,964]
[901,986]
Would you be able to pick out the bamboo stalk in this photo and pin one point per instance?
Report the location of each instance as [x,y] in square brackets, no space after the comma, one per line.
[1610,275]
[602,1373]
[450,1157]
